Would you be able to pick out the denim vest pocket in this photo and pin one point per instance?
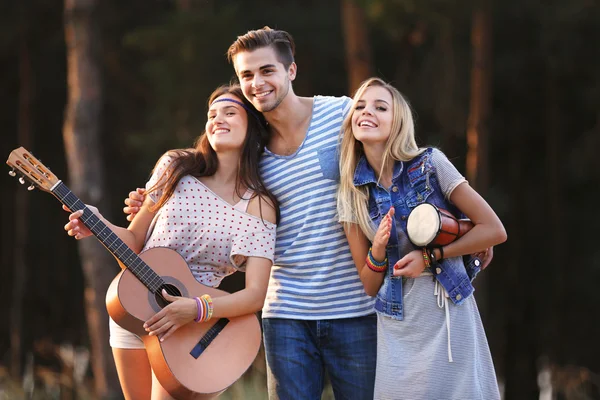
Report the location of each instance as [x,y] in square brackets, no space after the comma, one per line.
[420,172]
[418,195]
[329,162]
[374,213]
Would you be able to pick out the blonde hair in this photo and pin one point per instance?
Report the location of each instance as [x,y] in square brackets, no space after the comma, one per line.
[352,201]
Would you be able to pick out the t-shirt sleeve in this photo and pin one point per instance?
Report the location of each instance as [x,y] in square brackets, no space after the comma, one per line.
[260,243]
[158,175]
[347,219]
[448,176]
[346,105]
[345,215]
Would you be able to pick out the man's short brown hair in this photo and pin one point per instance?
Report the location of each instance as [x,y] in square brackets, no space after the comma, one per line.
[281,41]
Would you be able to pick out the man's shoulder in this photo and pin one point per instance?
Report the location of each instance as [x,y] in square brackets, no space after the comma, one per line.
[334,104]
[342,100]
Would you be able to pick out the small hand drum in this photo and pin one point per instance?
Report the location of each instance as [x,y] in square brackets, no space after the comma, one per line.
[429,225]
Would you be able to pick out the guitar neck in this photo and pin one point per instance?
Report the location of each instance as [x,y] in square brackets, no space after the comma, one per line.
[109,239]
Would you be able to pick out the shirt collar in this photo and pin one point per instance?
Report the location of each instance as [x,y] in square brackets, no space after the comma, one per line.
[364,174]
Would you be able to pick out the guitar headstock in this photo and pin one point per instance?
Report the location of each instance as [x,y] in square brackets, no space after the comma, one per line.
[32,169]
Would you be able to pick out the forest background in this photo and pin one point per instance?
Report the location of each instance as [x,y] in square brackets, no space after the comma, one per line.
[509,90]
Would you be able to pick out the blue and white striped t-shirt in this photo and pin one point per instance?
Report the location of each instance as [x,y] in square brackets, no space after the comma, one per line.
[313,276]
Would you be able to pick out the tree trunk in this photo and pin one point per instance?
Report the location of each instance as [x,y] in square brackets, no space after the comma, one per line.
[358,51]
[21,206]
[480,108]
[82,146]
[479,119]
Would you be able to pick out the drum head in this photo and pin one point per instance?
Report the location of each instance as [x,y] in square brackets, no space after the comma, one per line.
[423,224]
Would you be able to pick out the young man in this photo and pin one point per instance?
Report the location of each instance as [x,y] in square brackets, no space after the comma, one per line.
[317,318]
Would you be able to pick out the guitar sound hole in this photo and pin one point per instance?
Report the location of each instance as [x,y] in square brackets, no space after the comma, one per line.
[171,289]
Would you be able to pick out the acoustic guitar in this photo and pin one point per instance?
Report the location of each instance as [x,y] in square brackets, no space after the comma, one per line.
[199,360]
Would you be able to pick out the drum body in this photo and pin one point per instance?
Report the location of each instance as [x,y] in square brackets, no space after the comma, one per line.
[431,226]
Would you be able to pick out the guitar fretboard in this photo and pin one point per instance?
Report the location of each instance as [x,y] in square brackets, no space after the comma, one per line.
[109,239]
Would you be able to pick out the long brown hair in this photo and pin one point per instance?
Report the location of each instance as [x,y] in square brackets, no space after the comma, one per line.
[201,160]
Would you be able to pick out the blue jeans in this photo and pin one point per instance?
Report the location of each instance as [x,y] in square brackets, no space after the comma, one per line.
[300,352]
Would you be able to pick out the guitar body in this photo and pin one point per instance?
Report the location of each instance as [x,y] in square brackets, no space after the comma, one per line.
[183,372]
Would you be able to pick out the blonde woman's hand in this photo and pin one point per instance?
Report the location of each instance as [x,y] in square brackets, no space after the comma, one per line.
[411,265]
[180,312]
[75,227]
[382,236]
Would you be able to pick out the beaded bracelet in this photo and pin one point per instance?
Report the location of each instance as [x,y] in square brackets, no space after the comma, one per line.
[374,265]
[426,258]
[374,261]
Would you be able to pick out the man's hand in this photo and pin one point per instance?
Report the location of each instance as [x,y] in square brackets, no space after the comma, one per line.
[485,257]
[134,202]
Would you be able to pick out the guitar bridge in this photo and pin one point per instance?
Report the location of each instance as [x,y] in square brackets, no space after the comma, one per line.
[208,337]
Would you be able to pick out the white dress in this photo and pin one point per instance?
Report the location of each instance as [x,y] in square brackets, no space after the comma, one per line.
[413,355]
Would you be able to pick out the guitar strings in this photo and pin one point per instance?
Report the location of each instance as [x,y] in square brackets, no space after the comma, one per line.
[163,285]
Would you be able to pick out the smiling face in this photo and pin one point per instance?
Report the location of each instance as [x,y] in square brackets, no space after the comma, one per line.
[227,124]
[373,116]
[264,79]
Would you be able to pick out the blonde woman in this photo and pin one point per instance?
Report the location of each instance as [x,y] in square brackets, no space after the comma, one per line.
[431,342]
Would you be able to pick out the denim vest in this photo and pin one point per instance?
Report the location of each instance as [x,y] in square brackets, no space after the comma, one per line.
[413,182]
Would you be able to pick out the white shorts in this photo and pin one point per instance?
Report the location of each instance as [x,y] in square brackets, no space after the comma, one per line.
[123,339]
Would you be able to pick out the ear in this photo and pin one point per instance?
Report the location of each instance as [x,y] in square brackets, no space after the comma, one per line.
[292,70]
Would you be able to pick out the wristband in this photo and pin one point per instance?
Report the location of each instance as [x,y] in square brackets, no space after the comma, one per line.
[209,307]
[200,309]
[374,265]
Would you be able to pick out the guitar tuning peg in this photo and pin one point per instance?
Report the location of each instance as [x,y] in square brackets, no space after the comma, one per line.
[22,180]
[30,188]
[12,173]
